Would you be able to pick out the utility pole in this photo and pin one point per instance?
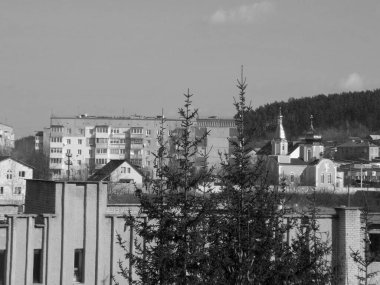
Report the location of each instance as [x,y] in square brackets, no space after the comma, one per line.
[68,163]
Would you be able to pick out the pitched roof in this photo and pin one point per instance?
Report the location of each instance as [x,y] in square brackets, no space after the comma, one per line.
[357,144]
[107,169]
[19,161]
[266,149]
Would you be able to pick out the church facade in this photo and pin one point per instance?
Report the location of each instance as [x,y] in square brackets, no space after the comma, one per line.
[303,165]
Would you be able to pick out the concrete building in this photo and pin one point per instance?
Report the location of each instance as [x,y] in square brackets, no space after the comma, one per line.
[93,141]
[67,235]
[13,175]
[7,138]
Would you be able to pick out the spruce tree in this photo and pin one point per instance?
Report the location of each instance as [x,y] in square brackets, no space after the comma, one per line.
[173,221]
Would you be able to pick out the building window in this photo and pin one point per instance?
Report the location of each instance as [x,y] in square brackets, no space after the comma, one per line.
[9,174]
[129,170]
[137,130]
[78,265]
[1,190]
[37,266]
[79,151]
[56,139]
[17,191]
[322,178]
[68,130]
[101,150]
[122,151]
[79,162]
[123,170]
[68,151]
[3,262]
[68,141]
[102,129]
[21,173]
[148,132]
[79,141]
[114,151]
[374,247]
[329,180]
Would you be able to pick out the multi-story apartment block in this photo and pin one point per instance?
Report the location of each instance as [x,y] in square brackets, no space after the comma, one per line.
[84,143]
[7,138]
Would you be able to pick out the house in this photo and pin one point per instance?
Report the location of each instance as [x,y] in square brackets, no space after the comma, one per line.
[118,171]
[13,175]
[357,150]
[39,246]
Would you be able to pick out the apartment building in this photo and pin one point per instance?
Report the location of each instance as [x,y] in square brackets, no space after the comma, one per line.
[77,146]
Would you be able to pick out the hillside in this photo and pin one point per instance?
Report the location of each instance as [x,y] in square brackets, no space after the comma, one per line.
[336,116]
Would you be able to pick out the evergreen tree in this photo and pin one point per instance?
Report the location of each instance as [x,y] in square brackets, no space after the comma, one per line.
[173,222]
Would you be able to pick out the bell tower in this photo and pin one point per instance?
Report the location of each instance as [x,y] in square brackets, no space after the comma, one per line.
[279,142]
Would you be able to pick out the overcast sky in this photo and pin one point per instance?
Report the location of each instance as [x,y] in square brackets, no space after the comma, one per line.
[115,57]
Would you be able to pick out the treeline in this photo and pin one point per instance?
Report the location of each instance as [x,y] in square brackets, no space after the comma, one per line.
[336,116]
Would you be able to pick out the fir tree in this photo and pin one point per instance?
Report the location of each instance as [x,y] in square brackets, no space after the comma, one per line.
[173,222]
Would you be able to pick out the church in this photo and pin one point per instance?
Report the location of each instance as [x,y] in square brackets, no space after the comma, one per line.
[301,163]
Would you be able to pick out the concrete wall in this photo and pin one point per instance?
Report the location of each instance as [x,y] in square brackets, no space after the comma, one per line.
[80,218]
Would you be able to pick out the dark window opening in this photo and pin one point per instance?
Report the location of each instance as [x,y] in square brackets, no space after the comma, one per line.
[374,246]
[78,265]
[37,266]
[3,263]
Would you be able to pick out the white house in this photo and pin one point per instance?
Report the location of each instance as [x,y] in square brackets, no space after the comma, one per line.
[118,171]
[12,178]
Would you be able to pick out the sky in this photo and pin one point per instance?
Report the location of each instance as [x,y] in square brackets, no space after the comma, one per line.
[124,57]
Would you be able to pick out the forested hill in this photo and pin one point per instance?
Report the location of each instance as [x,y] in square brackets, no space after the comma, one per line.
[336,116]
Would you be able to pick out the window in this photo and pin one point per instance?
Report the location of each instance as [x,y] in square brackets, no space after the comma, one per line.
[101,161]
[78,265]
[17,191]
[148,132]
[68,151]
[114,151]
[329,180]
[56,139]
[101,140]
[79,151]
[55,160]
[129,170]
[101,150]
[68,141]
[79,162]
[322,178]
[1,190]
[102,129]
[374,247]
[123,170]
[122,151]
[37,266]
[68,130]
[56,150]
[114,131]
[9,174]
[21,173]
[3,262]
[79,141]
[56,129]
[137,130]
[81,131]
[136,141]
